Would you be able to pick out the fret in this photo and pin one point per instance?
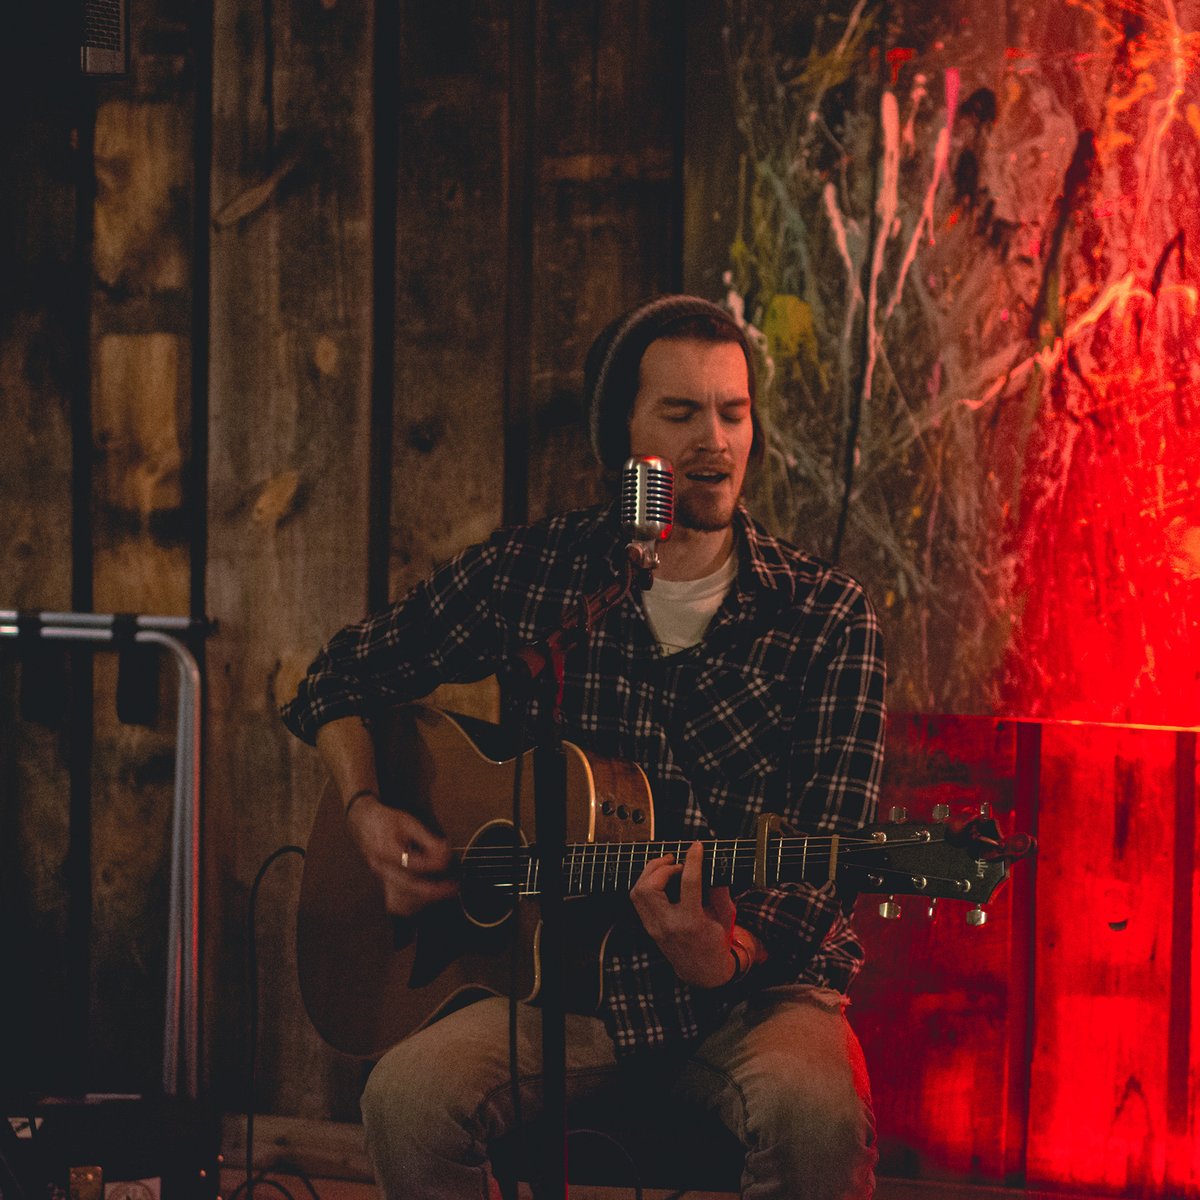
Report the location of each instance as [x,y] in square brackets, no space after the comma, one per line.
[804,861]
[779,861]
[592,877]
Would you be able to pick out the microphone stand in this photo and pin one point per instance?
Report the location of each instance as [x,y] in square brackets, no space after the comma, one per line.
[536,670]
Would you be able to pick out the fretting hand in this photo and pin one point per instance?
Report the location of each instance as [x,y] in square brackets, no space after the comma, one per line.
[693,932]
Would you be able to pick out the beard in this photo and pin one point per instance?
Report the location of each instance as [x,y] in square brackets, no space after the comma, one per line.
[703,514]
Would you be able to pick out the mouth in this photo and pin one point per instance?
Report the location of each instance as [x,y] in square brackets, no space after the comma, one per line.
[710,478]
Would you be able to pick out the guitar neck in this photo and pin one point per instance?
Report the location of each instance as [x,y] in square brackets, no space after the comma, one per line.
[610,868]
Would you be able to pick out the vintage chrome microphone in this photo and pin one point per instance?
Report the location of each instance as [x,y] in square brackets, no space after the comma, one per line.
[647,508]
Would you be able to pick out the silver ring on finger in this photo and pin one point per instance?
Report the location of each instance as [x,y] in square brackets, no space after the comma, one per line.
[404,860]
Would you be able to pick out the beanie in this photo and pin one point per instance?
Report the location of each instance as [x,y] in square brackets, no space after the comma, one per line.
[612,366]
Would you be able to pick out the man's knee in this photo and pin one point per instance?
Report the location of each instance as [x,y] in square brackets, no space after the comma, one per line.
[434,1079]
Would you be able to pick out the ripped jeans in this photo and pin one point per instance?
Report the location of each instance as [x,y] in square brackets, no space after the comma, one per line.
[784,1072]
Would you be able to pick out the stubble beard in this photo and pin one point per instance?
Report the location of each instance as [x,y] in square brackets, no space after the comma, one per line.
[703,517]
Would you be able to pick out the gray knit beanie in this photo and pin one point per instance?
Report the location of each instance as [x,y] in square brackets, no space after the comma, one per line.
[611,369]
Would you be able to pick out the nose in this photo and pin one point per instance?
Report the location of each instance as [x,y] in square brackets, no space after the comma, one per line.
[711,433]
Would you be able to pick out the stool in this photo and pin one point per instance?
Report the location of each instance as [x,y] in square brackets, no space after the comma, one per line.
[673,1147]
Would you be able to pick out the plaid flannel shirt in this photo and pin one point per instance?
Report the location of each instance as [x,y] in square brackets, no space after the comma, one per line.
[779,709]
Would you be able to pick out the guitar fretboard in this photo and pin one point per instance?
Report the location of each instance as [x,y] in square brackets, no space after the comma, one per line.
[597,868]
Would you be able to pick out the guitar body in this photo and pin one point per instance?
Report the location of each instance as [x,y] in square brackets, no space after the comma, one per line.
[369,979]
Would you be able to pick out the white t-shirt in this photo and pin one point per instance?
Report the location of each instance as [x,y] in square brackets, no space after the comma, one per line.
[679,610]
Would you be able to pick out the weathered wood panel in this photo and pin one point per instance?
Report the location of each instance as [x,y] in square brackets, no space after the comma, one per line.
[713,183]
[451,288]
[42,361]
[289,461]
[607,213]
[1098,1111]
[141,409]
[933,1004]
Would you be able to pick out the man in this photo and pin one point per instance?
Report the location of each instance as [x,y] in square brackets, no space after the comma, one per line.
[749,679]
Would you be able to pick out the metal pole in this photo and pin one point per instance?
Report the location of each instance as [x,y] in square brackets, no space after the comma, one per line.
[181,1024]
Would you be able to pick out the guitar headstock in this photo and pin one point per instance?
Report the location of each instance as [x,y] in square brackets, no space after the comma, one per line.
[964,857]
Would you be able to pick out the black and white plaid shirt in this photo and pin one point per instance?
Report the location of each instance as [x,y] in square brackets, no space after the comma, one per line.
[778,709]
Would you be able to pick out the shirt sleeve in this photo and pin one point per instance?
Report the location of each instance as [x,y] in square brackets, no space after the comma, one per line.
[835,766]
[445,630]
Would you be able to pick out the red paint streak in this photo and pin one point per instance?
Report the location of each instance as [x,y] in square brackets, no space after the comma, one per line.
[897,57]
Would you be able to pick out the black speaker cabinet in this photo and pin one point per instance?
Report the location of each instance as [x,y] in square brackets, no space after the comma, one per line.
[109,1148]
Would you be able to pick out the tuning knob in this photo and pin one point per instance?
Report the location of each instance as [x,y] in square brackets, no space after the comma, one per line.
[977,916]
[889,910]
[898,813]
[941,812]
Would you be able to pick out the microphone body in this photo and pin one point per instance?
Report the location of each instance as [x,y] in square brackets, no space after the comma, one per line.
[647,507]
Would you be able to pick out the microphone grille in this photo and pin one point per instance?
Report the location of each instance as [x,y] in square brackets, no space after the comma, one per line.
[648,498]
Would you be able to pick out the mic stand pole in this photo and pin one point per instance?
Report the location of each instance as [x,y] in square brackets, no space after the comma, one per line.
[537,670]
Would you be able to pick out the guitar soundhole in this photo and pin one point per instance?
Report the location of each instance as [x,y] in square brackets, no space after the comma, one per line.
[486,886]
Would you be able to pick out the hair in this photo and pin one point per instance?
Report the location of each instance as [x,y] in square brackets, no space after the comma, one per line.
[612,369]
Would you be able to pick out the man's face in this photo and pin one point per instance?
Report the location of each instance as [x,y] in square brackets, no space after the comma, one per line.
[693,409]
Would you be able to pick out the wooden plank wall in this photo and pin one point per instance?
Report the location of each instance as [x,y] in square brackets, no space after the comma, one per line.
[288,480]
[141,543]
[933,1006]
[1055,1046]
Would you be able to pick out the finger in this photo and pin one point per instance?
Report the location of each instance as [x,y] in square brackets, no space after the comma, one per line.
[722,906]
[421,861]
[655,876]
[691,884]
[418,837]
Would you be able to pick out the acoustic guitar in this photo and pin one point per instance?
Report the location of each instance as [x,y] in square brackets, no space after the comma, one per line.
[368,978]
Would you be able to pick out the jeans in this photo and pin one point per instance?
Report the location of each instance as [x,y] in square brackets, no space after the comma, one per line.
[784,1072]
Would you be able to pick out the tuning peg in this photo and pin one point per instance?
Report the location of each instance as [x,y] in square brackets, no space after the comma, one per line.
[977,916]
[898,813]
[889,910]
[941,812]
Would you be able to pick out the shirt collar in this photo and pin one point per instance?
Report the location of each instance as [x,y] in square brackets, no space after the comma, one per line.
[763,570]
[762,567]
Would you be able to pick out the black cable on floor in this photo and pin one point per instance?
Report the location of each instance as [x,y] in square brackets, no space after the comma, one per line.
[249,1182]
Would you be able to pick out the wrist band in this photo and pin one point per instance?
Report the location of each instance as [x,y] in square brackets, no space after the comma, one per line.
[741,966]
[358,796]
[743,957]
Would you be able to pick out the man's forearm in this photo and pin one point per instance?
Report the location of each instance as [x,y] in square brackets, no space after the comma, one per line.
[346,748]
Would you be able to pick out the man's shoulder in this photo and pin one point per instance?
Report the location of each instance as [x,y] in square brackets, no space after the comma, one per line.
[559,529]
[798,577]
[557,547]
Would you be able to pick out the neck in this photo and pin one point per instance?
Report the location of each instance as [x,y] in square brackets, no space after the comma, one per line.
[693,553]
